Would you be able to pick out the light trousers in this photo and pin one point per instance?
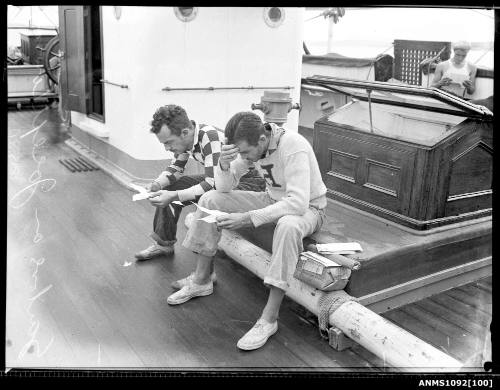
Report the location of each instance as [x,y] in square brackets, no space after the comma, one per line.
[290,230]
[166,218]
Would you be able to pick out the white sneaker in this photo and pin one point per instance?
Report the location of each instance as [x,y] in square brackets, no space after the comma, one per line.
[154,251]
[178,284]
[258,335]
[189,291]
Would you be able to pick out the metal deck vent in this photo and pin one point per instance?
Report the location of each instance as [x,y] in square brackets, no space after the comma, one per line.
[78,164]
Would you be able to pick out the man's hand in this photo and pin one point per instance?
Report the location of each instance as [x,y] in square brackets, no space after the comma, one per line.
[445,81]
[234,221]
[228,153]
[469,86]
[163,198]
[153,187]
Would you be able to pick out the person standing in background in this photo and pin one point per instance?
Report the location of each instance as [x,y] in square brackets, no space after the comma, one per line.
[457,75]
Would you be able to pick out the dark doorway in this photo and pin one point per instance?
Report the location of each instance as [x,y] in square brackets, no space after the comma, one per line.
[94,63]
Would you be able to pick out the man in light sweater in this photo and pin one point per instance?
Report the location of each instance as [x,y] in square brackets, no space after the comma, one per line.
[294,201]
[185,138]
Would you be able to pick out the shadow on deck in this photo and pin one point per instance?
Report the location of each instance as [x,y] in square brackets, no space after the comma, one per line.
[77,299]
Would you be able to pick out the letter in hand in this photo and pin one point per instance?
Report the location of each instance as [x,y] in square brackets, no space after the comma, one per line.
[468,85]
[228,153]
[144,192]
[234,221]
[162,198]
[446,81]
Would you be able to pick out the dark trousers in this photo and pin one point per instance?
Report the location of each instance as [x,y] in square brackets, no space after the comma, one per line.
[166,218]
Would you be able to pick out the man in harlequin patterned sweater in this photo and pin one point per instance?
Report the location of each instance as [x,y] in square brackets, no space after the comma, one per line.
[294,201]
[185,138]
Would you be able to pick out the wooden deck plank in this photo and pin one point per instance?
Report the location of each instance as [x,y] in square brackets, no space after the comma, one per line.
[231,274]
[162,290]
[83,298]
[458,341]
[450,315]
[310,348]
[245,279]
[44,309]
[77,287]
[484,285]
[480,297]
[480,307]
[425,332]
[36,341]
[350,225]
[109,291]
[33,336]
[361,358]
[477,316]
[226,304]
[113,286]
[80,250]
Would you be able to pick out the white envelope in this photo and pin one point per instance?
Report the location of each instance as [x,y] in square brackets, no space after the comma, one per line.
[339,247]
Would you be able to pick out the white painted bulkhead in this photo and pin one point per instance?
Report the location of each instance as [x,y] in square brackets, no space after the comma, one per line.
[149,48]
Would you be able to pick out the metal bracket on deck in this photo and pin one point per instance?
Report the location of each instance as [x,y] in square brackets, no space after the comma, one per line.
[338,340]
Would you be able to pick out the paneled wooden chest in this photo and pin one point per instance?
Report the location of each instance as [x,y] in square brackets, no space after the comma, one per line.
[420,157]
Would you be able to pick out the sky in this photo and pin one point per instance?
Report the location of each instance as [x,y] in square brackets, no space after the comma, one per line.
[361,32]
[367,32]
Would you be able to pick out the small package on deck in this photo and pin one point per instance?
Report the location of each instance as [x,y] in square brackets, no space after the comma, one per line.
[320,272]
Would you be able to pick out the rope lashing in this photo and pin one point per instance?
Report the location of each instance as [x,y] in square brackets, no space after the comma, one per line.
[328,303]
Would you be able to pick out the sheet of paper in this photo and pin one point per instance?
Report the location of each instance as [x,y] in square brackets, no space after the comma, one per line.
[341,253]
[211,212]
[144,194]
[137,188]
[209,219]
[338,247]
[338,253]
[141,196]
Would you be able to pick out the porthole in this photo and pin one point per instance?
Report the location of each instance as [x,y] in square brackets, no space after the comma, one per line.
[186,14]
[274,16]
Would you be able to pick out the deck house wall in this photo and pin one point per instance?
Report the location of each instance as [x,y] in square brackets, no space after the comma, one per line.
[148,49]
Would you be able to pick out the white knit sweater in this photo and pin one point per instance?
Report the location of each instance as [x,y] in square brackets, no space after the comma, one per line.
[292,175]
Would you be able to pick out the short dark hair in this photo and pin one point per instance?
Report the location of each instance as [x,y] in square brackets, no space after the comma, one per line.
[244,126]
[175,117]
